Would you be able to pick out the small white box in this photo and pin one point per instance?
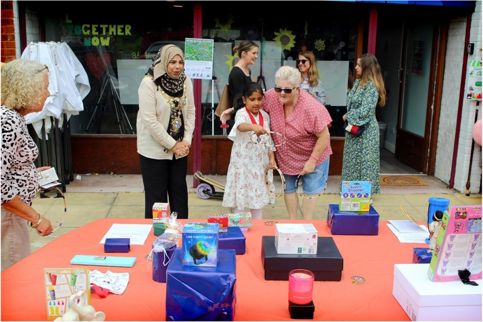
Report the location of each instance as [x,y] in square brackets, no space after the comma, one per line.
[295,239]
[423,299]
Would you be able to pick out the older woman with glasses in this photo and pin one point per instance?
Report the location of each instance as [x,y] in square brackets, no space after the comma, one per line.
[307,65]
[24,90]
[303,150]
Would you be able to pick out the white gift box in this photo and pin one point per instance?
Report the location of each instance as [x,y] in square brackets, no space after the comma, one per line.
[295,239]
[423,299]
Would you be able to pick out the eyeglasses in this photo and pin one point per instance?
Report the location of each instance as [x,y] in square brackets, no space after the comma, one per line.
[285,90]
[301,61]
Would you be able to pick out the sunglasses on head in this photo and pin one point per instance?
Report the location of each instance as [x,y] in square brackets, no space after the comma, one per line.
[302,61]
[285,90]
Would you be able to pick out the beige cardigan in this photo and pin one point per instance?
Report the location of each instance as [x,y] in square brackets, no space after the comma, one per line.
[153,141]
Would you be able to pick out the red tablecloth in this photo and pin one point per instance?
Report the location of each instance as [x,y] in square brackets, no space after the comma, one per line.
[372,257]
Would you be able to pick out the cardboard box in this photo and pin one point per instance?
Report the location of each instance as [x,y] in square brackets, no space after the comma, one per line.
[117,245]
[232,239]
[196,293]
[355,195]
[352,223]
[200,244]
[295,239]
[423,299]
[326,265]
[161,212]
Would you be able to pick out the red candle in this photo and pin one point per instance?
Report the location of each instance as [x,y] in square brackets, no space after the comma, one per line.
[300,286]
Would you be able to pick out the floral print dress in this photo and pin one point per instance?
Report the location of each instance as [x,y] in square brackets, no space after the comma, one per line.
[361,154]
[248,186]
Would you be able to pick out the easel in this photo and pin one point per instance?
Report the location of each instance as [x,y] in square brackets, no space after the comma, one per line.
[121,115]
[212,87]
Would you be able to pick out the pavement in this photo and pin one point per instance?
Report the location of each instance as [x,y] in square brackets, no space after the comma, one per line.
[91,196]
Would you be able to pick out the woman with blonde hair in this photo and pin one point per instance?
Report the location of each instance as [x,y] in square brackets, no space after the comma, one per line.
[361,160]
[24,90]
[307,65]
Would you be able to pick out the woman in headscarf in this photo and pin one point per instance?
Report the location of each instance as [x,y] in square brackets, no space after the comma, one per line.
[165,124]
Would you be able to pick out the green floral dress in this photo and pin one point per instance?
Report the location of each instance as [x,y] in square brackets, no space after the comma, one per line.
[361,154]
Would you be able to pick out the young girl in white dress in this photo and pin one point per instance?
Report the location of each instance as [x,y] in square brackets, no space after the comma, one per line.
[249,185]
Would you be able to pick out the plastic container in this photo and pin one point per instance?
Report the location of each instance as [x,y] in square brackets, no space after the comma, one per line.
[300,286]
[436,204]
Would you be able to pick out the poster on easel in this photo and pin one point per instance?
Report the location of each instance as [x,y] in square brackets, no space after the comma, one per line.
[60,285]
[198,55]
[458,245]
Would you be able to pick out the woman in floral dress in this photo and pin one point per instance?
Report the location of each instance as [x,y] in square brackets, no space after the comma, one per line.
[361,153]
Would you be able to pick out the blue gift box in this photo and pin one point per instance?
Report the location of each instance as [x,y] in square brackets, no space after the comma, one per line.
[351,222]
[421,255]
[232,239]
[200,292]
[117,245]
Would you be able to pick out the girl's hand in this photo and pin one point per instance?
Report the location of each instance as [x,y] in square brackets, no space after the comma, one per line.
[259,130]
[272,164]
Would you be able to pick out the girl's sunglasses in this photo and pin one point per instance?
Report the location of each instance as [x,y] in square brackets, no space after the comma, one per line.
[301,61]
[285,90]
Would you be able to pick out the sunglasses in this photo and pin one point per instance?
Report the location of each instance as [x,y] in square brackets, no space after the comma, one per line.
[285,90]
[301,61]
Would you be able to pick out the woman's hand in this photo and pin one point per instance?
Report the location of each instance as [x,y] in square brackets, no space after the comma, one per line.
[309,167]
[181,149]
[226,115]
[44,228]
[344,117]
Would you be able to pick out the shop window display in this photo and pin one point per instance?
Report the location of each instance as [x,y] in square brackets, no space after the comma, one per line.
[116,51]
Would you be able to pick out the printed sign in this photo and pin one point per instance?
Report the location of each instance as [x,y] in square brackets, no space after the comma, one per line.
[199,58]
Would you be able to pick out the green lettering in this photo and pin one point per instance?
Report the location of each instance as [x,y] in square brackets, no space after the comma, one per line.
[127,30]
[105,41]
[85,30]
[95,41]
[94,30]
[77,30]
[103,27]
[87,42]
[112,30]
[119,30]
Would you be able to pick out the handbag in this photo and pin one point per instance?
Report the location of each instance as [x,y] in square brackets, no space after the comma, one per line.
[355,130]
[224,103]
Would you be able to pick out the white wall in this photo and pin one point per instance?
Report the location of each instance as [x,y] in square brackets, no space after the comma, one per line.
[449,108]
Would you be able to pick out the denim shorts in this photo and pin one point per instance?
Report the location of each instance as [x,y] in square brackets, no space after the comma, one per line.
[313,183]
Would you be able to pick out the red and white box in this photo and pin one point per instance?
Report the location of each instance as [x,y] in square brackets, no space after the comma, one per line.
[425,300]
[161,212]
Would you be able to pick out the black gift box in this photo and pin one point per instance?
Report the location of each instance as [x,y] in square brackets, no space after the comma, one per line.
[326,265]
[301,311]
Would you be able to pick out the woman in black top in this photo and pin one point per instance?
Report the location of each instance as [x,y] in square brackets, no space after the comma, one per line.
[240,77]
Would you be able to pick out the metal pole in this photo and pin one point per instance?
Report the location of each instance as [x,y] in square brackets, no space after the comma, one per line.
[213,106]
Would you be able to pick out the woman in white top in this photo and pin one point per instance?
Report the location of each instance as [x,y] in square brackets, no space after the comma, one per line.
[307,65]
[165,124]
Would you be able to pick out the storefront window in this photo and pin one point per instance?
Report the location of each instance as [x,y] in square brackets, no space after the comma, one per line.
[116,47]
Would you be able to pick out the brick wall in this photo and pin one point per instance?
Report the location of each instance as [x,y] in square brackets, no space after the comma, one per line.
[8,32]
[449,108]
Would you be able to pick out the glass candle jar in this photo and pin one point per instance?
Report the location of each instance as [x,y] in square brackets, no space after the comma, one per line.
[300,286]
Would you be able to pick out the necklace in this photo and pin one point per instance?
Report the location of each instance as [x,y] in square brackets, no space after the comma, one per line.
[252,118]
